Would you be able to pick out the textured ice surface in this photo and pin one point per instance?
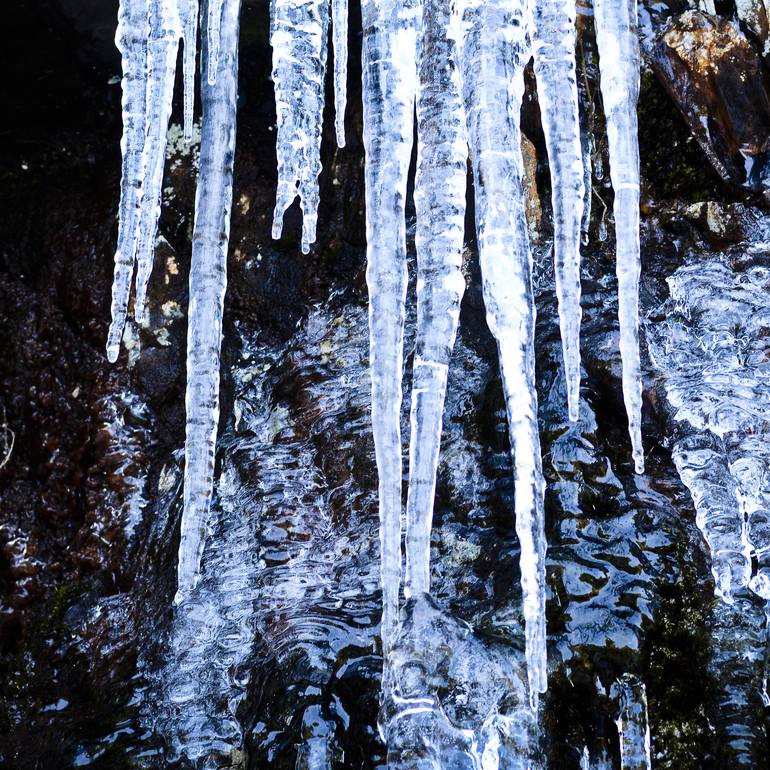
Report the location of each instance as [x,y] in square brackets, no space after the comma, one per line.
[298,36]
[632,723]
[208,279]
[492,53]
[553,46]
[618,43]
[389,90]
[711,347]
[439,197]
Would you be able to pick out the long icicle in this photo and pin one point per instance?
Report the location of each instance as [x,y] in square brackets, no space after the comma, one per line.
[165,33]
[340,38]
[492,52]
[439,197]
[553,43]
[131,39]
[389,89]
[189,18]
[214,34]
[298,37]
[618,44]
[208,280]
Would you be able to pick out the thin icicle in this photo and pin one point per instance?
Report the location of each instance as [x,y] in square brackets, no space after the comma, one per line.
[131,40]
[389,89]
[340,37]
[492,53]
[619,62]
[214,33]
[553,43]
[632,723]
[298,36]
[189,18]
[439,197]
[208,280]
[165,33]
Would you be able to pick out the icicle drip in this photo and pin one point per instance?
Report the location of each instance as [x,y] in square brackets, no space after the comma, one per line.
[704,471]
[131,39]
[633,727]
[389,88]
[165,33]
[188,10]
[619,63]
[214,33]
[208,279]
[298,36]
[439,197]
[492,53]
[553,42]
[340,38]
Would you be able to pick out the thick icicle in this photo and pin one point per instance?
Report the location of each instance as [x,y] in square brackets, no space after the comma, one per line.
[208,279]
[131,39]
[492,53]
[389,88]
[439,197]
[553,42]
[619,63]
[340,37]
[298,36]
[188,10]
[165,33]
[214,39]
[632,723]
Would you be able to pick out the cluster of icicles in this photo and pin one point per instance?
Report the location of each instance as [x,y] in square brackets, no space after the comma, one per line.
[458,66]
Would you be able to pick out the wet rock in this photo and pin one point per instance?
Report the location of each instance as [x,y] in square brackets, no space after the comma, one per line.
[715,77]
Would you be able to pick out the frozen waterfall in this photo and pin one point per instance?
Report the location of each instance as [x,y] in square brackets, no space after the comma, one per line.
[460,66]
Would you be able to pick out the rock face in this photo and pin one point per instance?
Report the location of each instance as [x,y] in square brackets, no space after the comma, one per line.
[277,662]
[715,76]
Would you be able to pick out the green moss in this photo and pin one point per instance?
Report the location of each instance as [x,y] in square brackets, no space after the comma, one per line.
[672,163]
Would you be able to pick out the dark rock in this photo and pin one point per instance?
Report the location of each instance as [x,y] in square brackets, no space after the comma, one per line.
[715,77]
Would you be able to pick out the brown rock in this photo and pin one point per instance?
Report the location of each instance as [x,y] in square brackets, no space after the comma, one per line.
[715,77]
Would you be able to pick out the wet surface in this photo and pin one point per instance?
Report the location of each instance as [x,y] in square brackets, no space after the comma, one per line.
[276,661]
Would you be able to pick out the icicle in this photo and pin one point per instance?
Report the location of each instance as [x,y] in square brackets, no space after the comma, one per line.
[633,727]
[208,278]
[165,33]
[340,36]
[439,197]
[214,25]
[189,20]
[131,39]
[389,88]
[492,53]
[298,36]
[553,43]
[619,63]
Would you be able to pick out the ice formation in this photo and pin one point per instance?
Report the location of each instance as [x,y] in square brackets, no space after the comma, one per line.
[618,44]
[553,46]
[462,67]
[632,723]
